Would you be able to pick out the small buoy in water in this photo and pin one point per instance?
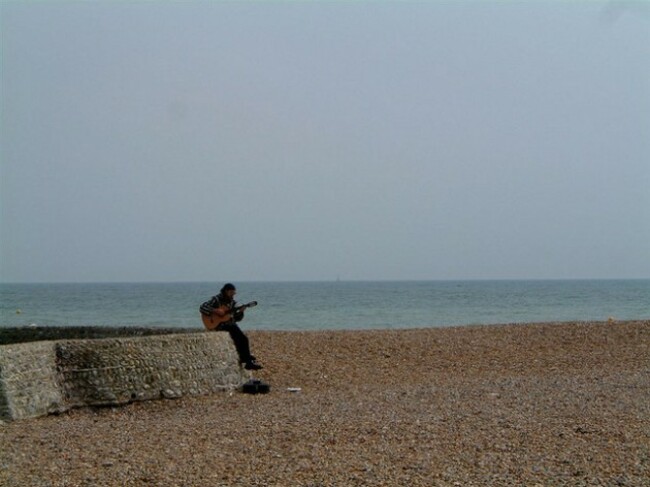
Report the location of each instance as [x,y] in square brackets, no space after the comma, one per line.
[18,311]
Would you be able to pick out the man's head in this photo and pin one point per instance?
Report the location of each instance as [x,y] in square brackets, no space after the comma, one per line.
[229,290]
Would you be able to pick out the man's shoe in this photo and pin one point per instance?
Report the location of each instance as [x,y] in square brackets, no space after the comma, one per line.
[252,365]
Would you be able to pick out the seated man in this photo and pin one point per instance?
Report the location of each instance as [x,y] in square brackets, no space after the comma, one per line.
[222,308]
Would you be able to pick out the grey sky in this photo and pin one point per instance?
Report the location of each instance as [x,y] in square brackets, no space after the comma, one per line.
[308,141]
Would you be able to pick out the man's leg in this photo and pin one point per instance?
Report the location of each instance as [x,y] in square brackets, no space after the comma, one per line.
[239,339]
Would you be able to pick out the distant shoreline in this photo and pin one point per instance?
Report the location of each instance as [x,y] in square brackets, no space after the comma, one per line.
[95,331]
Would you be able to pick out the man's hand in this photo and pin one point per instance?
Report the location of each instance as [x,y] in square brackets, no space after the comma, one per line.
[221,312]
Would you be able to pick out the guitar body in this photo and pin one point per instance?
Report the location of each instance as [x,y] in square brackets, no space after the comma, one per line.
[213,320]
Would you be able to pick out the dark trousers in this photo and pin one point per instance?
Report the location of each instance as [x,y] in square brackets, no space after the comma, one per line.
[240,340]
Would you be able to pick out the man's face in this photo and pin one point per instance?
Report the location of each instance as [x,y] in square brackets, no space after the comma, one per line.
[230,293]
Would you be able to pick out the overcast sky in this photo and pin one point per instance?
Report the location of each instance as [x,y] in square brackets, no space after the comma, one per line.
[192,141]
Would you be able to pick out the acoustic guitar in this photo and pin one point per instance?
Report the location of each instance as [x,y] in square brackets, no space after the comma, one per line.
[213,320]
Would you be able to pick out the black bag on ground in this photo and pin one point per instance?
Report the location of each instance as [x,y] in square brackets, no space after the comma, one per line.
[255,386]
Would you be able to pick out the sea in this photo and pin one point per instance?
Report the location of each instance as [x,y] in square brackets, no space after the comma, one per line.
[334,305]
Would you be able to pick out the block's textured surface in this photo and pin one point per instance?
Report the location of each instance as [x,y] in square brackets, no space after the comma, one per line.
[42,377]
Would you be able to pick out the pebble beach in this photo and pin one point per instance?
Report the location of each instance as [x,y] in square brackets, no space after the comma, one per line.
[544,404]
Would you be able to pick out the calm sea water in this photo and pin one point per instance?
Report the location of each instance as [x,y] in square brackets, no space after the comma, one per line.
[329,305]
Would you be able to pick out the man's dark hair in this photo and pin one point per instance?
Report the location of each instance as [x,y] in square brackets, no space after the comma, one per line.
[228,287]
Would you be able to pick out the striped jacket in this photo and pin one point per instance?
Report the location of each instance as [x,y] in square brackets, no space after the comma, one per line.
[217,302]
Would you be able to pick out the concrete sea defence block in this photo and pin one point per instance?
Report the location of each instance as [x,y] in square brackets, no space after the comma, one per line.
[38,378]
[28,381]
[120,370]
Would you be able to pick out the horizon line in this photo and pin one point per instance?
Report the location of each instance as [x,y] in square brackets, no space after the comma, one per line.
[336,280]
